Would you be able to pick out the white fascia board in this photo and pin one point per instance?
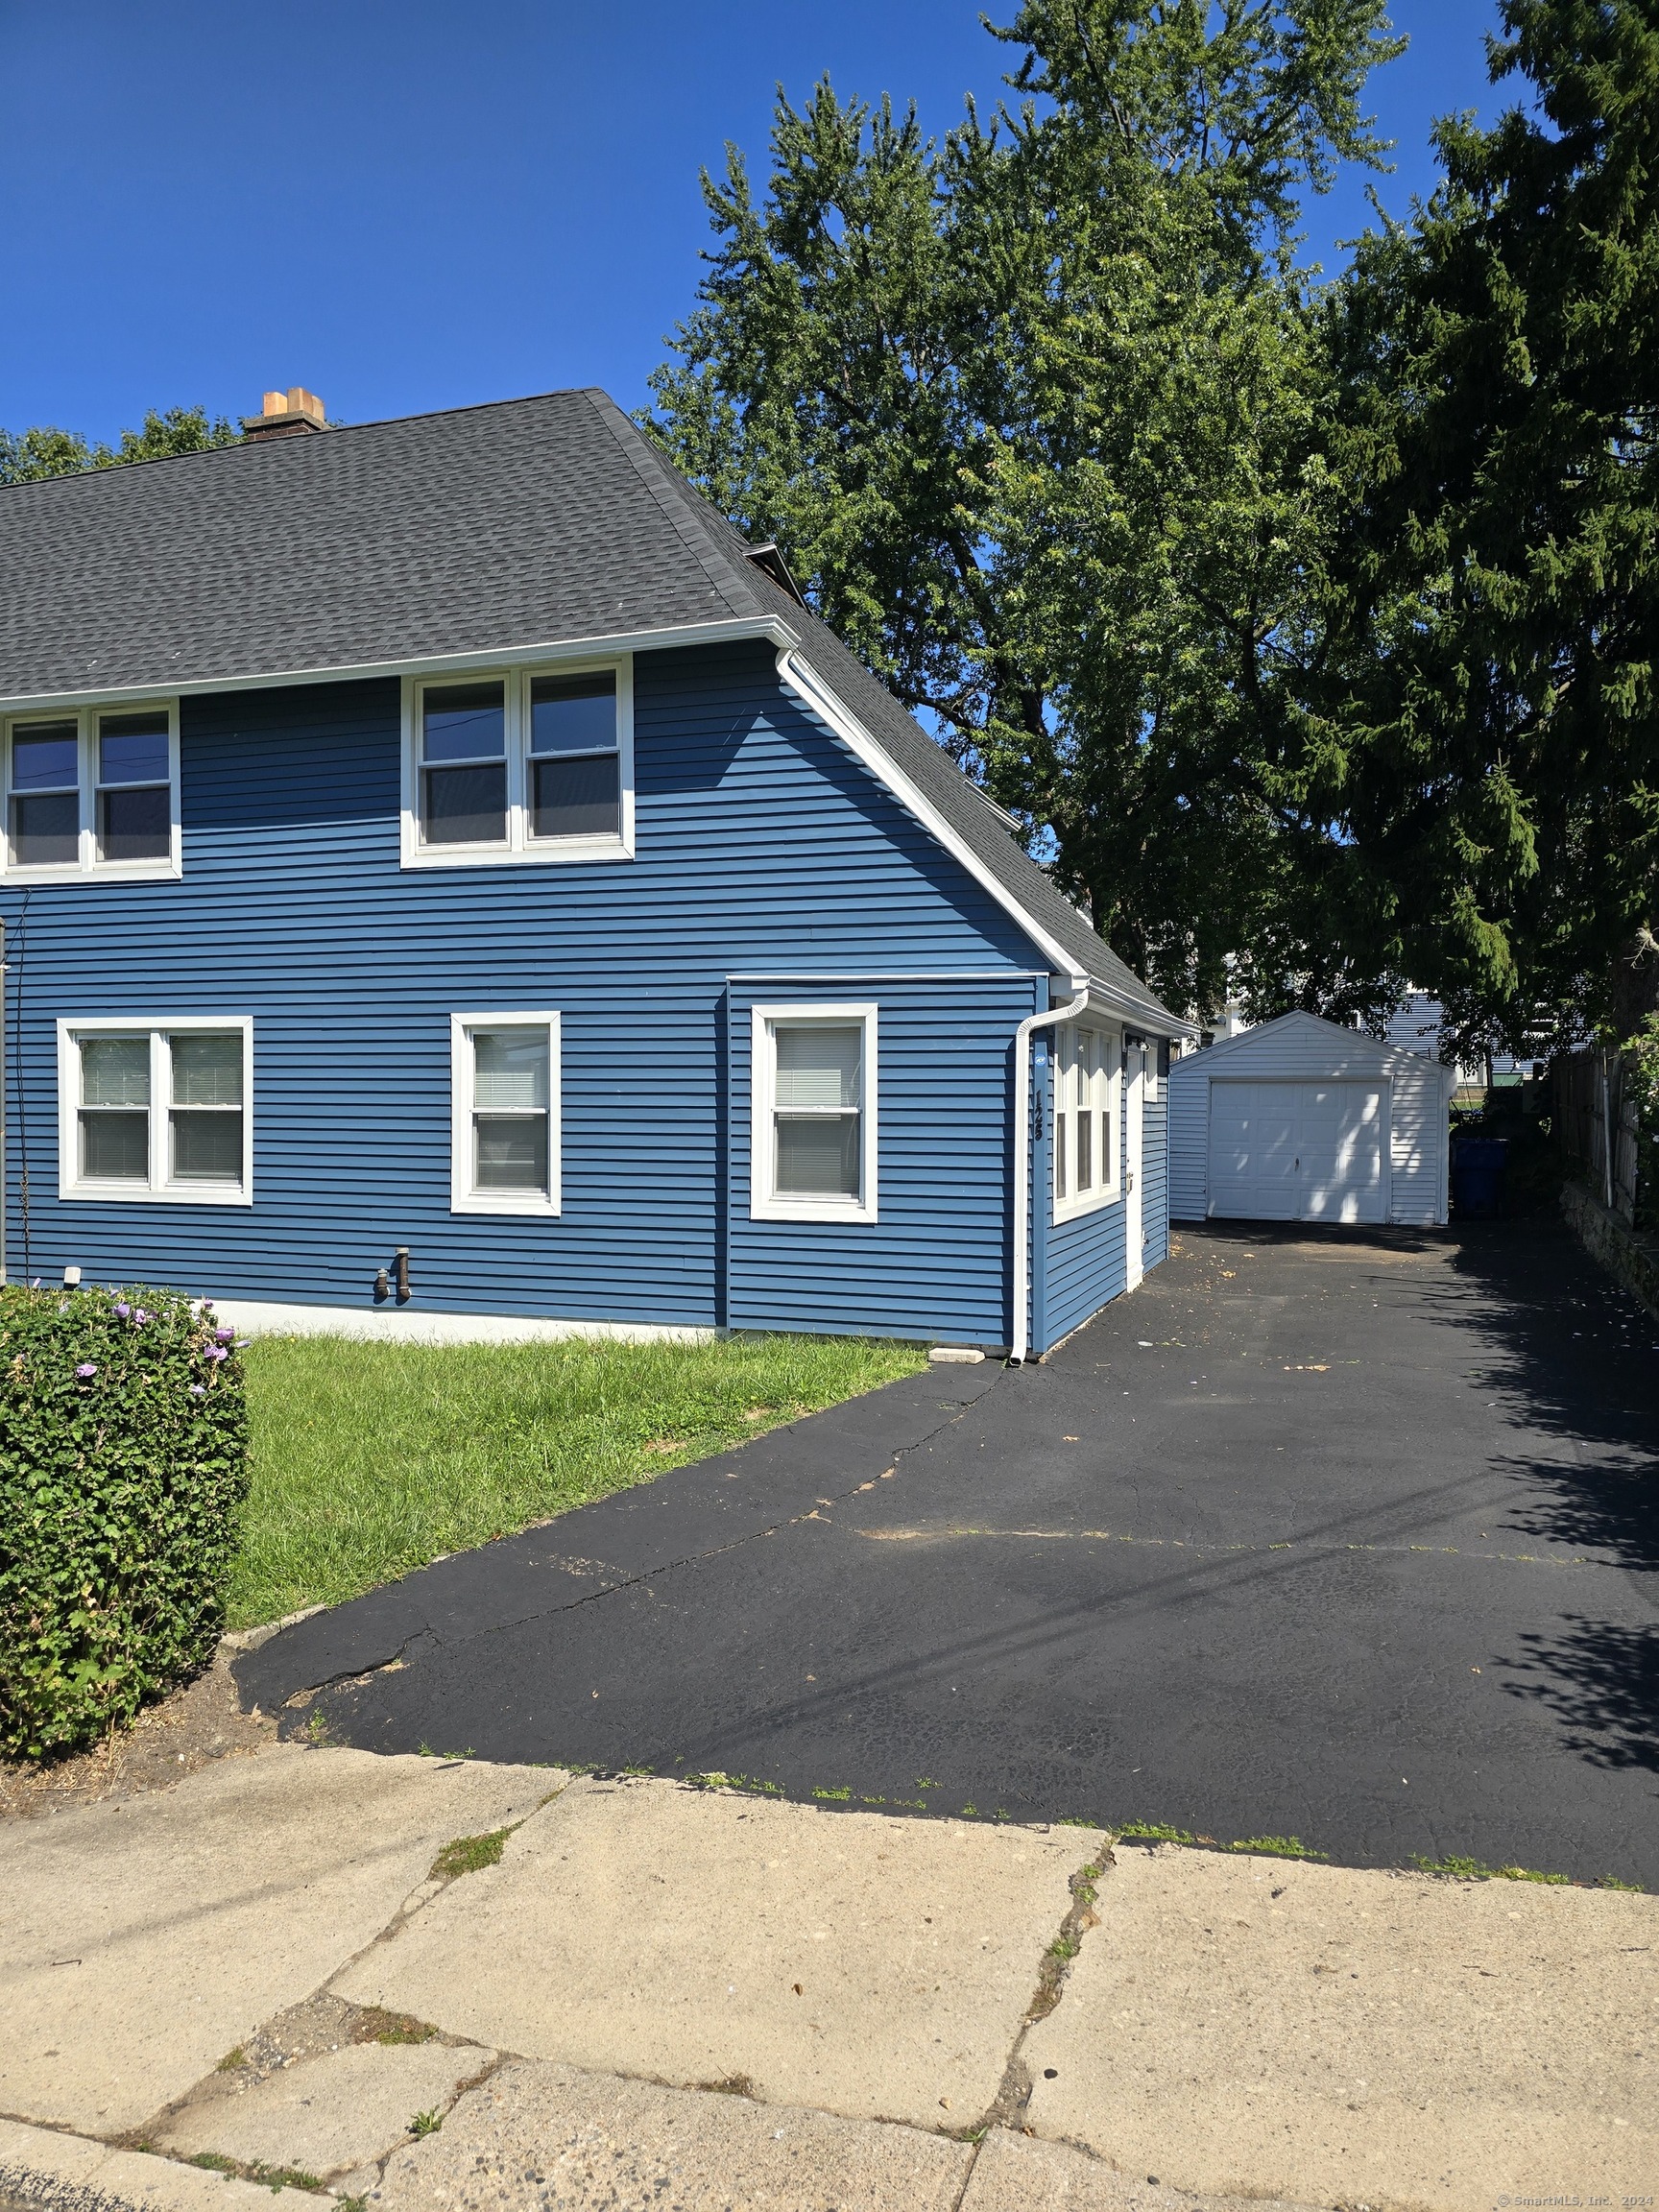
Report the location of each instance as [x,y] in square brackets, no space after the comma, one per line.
[1135,1014]
[1385,1059]
[805,681]
[770,627]
[1209,1055]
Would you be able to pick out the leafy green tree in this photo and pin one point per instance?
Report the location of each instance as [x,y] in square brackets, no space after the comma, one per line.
[26,456]
[1035,413]
[1492,744]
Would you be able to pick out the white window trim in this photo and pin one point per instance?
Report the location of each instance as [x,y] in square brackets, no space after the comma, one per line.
[764,1202]
[90,869]
[463,1198]
[159,1191]
[1108,1193]
[519,848]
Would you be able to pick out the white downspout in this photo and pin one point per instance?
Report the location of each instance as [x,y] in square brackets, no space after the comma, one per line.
[1020,1345]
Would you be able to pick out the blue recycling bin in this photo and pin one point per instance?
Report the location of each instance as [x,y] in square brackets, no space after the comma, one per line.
[1478,1169]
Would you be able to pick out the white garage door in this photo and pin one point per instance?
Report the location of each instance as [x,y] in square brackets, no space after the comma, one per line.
[1296,1151]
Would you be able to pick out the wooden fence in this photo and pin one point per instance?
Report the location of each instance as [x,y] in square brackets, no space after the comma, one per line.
[1597,1125]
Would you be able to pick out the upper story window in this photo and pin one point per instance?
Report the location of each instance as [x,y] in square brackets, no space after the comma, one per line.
[92,793]
[525,765]
[813,1146]
[1086,1090]
[157,1110]
[504,1145]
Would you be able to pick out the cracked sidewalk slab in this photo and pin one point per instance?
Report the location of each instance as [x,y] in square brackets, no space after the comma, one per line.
[43,2170]
[1259,2027]
[540,2134]
[328,2115]
[146,1938]
[878,1968]
[690,1513]
[1017,2172]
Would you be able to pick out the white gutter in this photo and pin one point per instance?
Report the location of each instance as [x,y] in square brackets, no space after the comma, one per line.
[770,627]
[1021,1269]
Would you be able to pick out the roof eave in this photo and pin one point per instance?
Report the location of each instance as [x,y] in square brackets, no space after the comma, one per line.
[737,629]
[1146,1013]
[1143,1011]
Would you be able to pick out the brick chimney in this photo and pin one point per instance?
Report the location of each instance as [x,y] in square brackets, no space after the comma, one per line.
[286,415]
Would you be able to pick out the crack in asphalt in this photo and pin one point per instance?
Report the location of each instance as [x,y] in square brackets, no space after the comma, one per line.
[1183,1544]
[397,1657]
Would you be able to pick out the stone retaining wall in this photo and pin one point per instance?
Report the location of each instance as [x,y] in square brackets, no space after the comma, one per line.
[1627,1254]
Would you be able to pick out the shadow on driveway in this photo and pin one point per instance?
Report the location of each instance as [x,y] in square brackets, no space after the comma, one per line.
[1345,1536]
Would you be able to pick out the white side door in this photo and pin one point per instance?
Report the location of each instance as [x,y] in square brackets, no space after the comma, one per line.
[1134,1133]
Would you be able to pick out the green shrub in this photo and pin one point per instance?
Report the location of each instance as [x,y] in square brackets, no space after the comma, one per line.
[123,1462]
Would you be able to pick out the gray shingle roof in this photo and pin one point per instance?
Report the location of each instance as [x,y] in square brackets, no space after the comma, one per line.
[521,523]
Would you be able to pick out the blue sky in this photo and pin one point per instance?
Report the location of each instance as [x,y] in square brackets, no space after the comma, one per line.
[416,203]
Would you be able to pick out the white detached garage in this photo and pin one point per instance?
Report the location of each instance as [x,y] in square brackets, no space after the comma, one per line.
[1300,1121]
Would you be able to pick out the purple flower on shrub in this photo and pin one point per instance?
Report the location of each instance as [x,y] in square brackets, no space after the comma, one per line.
[198,1390]
[121,1309]
[141,1317]
[217,1352]
[85,1369]
[224,1333]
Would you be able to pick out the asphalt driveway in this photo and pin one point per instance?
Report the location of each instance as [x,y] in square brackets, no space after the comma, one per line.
[1347,1536]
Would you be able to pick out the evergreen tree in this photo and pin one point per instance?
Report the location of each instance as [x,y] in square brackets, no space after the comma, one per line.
[1490,733]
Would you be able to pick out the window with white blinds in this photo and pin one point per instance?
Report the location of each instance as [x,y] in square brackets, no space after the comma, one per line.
[156,1110]
[814,1141]
[504,1072]
[1086,1090]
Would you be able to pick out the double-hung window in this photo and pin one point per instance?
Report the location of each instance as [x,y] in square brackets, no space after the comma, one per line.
[504,1148]
[156,1110]
[1086,1092]
[529,764]
[92,793]
[813,1153]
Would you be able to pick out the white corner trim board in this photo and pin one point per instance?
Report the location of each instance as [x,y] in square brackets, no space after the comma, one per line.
[1020,1236]
[260,1317]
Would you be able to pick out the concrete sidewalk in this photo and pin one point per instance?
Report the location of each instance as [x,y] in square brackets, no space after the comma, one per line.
[647,1994]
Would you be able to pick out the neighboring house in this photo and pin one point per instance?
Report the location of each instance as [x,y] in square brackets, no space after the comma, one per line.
[1417,1025]
[1301,1121]
[450,882]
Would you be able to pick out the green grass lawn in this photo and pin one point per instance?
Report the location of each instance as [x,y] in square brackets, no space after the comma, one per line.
[369,1459]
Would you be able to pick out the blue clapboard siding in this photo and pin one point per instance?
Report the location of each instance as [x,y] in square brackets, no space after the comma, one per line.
[1084,1260]
[1155,1177]
[761,845]
[934,1263]
[1082,1263]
